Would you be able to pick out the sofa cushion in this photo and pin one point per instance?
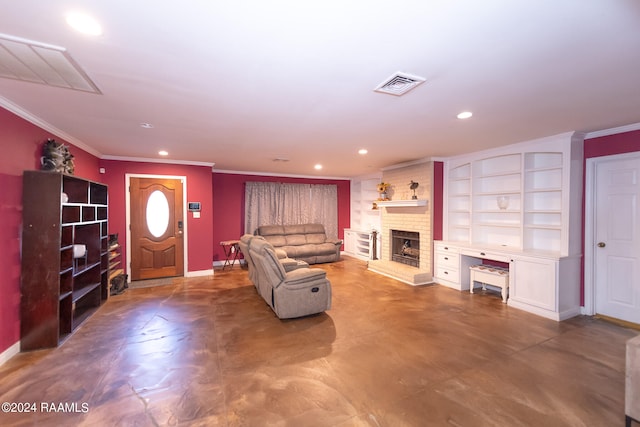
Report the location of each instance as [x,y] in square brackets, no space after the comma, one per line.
[295,239]
[315,238]
[299,251]
[271,230]
[303,251]
[294,229]
[314,229]
[277,240]
[325,249]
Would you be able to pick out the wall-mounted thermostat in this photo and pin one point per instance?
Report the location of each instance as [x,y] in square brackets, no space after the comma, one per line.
[194,206]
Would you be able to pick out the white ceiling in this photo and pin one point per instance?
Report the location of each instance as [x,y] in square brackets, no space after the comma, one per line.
[239,83]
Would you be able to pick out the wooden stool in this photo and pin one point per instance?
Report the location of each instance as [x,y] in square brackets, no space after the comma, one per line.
[489,275]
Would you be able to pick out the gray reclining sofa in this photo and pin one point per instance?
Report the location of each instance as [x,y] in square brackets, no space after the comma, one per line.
[306,242]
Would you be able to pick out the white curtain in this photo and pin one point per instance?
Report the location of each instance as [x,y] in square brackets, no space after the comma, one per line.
[273,203]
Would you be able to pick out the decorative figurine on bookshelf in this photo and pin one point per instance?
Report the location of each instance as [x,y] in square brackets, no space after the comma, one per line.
[56,157]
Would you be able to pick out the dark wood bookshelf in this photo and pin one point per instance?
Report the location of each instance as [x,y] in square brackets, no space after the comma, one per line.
[58,291]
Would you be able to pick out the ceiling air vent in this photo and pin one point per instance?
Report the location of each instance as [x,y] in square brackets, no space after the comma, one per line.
[35,62]
[399,83]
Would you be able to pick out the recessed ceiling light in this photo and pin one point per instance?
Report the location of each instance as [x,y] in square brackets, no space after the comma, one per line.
[146,125]
[362,151]
[465,115]
[163,153]
[84,23]
[318,166]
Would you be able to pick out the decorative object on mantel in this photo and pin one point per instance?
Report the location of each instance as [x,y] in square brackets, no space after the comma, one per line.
[382,189]
[374,207]
[503,202]
[413,187]
[56,157]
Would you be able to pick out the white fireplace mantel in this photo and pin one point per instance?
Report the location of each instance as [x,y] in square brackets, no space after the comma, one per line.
[401,203]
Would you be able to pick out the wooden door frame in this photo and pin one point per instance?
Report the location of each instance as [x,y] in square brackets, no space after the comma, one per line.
[590,227]
[127,183]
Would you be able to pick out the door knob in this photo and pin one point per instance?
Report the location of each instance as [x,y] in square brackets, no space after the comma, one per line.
[602,244]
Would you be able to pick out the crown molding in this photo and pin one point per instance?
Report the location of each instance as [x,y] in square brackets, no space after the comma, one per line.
[284,175]
[409,163]
[612,131]
[152,160]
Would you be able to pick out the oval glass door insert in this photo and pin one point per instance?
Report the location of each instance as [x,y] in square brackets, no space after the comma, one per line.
[157,213]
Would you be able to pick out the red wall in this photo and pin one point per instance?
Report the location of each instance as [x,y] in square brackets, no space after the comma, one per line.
[228,204]
[438,202]
[200,230]
[627,142]
[21,144]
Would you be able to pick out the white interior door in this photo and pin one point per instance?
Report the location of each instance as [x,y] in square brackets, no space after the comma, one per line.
[617,239]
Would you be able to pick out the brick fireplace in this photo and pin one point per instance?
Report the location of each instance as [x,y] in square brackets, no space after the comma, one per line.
[412,221]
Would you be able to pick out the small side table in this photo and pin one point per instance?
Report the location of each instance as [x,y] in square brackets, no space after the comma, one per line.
[231,250]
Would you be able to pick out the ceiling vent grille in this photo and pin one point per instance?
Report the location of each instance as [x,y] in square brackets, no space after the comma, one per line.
[35,62]
[399,83]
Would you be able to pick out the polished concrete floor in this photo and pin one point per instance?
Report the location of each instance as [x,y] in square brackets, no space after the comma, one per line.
[209,352]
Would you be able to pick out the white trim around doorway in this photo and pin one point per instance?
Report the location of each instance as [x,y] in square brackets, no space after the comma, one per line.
[127,184]
[589,307]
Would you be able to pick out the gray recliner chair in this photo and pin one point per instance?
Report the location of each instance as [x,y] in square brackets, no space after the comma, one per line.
[289,264]
[296,293]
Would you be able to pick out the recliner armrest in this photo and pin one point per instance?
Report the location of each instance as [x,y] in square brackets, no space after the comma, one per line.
[291,264]
[281,253]
[303,276]
[337,242]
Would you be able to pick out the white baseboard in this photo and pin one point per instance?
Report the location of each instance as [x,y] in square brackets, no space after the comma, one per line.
[9,353]
[199,273]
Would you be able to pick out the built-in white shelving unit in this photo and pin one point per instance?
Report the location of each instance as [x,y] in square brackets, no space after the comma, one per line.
[510,200]
[460,202]
[359,243]
[543,201]
[519,204]
[364,218]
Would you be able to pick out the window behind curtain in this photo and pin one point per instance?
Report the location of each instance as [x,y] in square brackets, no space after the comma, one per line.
[273,203]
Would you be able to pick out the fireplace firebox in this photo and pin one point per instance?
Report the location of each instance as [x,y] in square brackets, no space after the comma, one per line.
[405,247]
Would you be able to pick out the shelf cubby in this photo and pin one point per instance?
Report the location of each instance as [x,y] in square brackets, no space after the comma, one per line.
[70,214]
[88,213]
[102,213]
[98,194]
[76,189]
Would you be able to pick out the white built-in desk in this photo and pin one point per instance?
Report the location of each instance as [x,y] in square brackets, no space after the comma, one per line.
[542,283]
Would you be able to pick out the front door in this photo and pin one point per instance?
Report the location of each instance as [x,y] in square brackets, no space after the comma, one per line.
[157,226]
[617,239]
